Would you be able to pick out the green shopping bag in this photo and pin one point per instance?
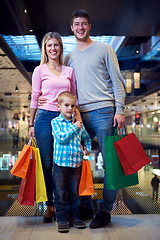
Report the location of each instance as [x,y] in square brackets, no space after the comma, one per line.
[115,176]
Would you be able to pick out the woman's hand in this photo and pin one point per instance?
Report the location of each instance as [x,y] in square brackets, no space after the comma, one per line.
[31,132]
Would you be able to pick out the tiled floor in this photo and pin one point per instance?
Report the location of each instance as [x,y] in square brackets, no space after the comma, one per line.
[123,227]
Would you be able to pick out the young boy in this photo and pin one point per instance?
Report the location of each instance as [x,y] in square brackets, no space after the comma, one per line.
[71,142]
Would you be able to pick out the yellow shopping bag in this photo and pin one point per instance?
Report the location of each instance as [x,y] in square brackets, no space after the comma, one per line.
[41,194]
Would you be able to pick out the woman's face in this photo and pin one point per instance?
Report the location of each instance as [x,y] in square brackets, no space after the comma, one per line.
[53,49]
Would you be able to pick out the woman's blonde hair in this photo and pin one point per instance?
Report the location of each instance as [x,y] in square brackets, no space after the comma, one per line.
[46,38]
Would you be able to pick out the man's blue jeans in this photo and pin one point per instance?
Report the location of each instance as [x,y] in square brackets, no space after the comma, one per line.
[67,201]
[99,123]
[44,138]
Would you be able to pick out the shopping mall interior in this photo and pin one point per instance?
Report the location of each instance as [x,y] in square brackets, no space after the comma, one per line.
[132,28]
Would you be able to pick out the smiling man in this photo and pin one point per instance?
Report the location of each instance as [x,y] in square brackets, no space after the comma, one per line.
[101,94]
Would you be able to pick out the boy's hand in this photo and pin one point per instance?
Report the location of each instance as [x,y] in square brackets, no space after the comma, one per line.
[85,151]
[78,124]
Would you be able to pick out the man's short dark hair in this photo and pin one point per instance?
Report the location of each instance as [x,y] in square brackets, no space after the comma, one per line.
[80,13]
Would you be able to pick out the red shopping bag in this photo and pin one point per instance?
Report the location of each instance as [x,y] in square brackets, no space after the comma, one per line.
[27,188]
[20,167]
[86,187]
[131,154]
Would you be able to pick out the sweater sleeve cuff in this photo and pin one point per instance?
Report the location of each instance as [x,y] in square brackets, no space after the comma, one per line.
[119,109]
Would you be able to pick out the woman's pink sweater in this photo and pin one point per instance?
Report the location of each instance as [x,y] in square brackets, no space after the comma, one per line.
[43,80]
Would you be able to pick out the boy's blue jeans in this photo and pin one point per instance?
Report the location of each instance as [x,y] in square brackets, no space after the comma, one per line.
[44,138]
[67,201]
[99,123]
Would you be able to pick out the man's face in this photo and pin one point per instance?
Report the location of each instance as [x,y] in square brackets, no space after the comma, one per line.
[80,27]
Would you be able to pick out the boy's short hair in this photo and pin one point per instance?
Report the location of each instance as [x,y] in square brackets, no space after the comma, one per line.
[80,13]
[65,94]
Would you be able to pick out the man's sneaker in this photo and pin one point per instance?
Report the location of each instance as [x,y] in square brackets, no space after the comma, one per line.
[100,220]
[79,224]
[63,227]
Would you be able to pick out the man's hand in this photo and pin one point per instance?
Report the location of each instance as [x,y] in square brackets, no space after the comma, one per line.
[41,101]
[77,116]
[120,120]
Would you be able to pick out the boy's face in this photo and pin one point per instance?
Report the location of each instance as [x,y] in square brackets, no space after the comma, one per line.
[80,27]
[67,107]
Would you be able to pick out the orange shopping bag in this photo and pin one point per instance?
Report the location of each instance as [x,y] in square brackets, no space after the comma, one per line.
[86,187]
[20,167]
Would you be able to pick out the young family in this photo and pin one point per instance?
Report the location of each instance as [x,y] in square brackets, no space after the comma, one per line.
[71,104]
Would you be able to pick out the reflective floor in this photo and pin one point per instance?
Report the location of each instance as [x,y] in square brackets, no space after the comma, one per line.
[131,200]
[122,227]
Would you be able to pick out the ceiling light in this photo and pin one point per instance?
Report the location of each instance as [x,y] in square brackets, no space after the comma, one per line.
[136,76]
[128,85]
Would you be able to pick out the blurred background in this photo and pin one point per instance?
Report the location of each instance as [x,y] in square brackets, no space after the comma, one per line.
[132,28]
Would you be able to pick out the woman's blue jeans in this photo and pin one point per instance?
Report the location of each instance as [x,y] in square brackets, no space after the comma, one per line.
[67,201]
[99,123]
[44,138]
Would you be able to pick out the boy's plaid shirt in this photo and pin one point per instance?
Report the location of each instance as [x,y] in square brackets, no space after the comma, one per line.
[67,142]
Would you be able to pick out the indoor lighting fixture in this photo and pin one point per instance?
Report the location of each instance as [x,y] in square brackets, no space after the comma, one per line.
[128,85]
[16,89]
[136,76]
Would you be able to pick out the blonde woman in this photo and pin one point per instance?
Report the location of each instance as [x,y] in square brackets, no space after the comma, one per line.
[50,78]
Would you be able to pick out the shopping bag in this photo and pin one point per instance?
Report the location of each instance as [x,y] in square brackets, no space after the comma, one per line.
[131,154]
[115,176]
[20,167]
[27,186]
[40,192]
[86,187]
